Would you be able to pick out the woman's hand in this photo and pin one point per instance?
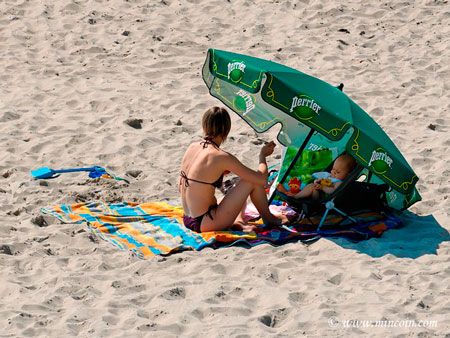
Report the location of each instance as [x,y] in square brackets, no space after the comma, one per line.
[267,149]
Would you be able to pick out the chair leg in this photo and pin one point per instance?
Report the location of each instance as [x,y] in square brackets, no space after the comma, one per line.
[330,206]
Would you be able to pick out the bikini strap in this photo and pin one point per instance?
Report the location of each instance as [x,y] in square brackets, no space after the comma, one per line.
[211,208]
[186,179]
[207,141]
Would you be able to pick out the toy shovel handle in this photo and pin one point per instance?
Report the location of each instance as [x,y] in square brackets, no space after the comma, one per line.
[78,169]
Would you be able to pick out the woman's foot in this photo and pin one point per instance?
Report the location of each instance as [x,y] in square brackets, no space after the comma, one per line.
[277,220]
[244,227]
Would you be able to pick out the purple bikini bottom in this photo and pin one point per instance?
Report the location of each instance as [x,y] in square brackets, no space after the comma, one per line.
[193,223]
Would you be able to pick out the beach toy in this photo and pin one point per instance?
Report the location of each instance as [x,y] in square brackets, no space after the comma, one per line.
[326,182]
[294,185]
[46,172]
[325,176]
[94,172]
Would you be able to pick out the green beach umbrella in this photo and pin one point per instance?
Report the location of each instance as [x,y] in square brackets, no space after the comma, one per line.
[265,93]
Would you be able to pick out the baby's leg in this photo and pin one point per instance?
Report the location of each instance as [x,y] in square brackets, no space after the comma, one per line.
[306,191]
[315,194]
[281,188]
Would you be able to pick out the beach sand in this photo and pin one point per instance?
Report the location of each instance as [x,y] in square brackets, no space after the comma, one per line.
[75,74]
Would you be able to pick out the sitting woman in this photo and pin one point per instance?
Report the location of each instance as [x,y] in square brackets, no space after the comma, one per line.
[202,170]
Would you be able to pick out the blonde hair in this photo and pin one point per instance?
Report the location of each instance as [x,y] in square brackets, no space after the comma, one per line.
[216,122]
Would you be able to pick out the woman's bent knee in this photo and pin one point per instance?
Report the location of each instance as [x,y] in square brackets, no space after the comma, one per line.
[245,184]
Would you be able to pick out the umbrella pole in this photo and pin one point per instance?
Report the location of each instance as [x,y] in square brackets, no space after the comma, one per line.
[294,161]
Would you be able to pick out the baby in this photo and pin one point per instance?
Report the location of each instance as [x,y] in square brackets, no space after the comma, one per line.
[342,166]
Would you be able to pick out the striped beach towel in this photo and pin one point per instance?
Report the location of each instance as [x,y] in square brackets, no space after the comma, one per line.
[156,228]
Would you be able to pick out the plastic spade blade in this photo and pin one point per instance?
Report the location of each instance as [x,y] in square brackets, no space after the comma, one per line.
[43,173]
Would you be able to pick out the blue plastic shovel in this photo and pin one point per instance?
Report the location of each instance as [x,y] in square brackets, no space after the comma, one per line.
[46,172]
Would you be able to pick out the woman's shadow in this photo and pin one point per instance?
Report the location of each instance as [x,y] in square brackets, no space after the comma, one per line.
[418,236]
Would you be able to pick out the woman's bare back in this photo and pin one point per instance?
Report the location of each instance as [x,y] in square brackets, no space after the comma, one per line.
[200,163]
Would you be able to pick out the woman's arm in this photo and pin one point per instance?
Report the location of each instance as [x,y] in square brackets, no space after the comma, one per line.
[259,176]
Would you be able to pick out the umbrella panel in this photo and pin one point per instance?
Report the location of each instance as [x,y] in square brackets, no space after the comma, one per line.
[257,113]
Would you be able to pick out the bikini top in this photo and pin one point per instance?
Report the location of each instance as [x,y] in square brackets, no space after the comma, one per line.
[218,183]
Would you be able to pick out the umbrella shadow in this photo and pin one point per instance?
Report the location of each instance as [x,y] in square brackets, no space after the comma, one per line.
[419,235]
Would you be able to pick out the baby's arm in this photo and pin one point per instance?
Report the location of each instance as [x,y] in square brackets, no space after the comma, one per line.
[331,189]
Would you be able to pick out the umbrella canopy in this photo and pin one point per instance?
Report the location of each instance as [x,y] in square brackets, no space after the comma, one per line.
[265,93]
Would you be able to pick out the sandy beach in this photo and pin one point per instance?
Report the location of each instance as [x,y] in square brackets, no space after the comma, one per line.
[118,84]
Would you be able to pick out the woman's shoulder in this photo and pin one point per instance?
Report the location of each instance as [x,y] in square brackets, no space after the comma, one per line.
[208,151]
[194,146]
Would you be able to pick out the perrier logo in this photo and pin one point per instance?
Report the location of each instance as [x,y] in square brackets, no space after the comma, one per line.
[304,107]
[236,70]
[380,161]
[244,102]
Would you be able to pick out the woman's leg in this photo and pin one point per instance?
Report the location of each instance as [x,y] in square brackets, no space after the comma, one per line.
[240,219]
[259,199]
[232,204]
[228,209]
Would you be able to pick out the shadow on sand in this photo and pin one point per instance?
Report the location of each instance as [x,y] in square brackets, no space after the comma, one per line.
[419,235]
